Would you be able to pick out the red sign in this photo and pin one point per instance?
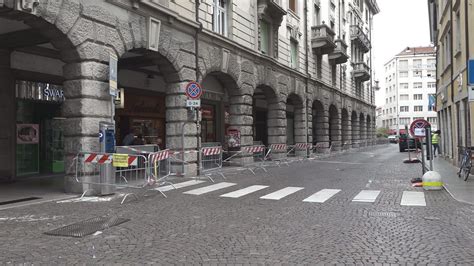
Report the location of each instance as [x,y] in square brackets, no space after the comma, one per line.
[418,126]
[233,137]
[193,90]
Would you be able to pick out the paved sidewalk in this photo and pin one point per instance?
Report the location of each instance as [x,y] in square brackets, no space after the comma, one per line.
[460,190]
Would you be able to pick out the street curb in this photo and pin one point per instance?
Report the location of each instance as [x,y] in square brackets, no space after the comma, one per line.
[452,195]
[39,202]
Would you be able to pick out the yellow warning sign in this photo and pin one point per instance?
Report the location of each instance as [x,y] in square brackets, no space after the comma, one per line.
[120,160]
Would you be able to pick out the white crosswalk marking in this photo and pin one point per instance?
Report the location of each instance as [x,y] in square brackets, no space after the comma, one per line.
[367,196]
[322,195]
[279,194]
[413,198]
[179,185]
[203,190]
[242,192]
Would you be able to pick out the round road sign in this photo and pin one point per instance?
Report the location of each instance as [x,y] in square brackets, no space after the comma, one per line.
[193,90]
[418,126]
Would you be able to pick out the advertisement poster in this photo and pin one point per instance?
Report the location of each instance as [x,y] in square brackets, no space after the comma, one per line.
[27,133]
[233,138]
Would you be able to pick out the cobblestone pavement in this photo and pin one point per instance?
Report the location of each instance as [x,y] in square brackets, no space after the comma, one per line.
[209,229]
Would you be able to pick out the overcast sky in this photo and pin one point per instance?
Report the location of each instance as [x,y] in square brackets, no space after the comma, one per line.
[399,24]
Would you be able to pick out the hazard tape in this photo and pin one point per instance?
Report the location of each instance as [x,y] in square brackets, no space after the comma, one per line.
[253,149]
[159,156]
[278,147]
[106,159]
[301,146]
[97,158]
[211,151]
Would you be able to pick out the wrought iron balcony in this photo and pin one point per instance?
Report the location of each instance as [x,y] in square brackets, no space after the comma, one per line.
[322,39]
[361,71]
[339,55]
[360,38]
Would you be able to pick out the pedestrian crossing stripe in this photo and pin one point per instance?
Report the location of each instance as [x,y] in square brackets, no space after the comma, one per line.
[322,195]
[366,196]
[203,190]
[413,198]
[409,198]
[242,192]
[279,194]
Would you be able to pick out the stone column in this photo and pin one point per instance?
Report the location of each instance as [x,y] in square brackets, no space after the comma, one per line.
[309,116]
[8,117]
[277,124]
[300,127]
[181,120]
[87,103]
[322,129]
[355,132]
[336,132]
[346,132]
[363,131]
[241,117]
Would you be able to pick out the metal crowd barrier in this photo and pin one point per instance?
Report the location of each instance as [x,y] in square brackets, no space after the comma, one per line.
[94,170]
[319,150]
[211,161]
[251,158]
[274,149]
[159,168]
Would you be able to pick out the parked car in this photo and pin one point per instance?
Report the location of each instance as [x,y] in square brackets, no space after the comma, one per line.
[393,138]
[403,143]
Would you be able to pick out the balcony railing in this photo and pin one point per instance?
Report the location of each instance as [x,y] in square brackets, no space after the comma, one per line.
[339,55]
[322,39]
[361,71]
[360,38]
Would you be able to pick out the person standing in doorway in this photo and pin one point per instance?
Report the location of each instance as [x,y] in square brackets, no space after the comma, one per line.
[435,142]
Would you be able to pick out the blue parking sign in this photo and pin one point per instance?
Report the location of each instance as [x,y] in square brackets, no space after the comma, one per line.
[470,72]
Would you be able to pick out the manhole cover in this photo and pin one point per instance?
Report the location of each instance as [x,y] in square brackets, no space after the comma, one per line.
[383,214]
[87,227]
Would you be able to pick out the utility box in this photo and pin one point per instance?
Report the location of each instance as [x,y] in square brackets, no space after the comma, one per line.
[107,145]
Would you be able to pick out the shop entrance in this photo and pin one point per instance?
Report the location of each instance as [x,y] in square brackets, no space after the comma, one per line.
[39,136]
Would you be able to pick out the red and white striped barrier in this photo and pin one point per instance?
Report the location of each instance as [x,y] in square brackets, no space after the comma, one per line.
[159,156]
[302,146]
[278,147]
[254,149]
[97,158]
[211,151]
[106,158]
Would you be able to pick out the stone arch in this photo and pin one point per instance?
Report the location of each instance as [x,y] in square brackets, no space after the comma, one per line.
[320,124]
[355,129]
[362,129]
[295,119]
[233,105]
[345,129]
[334,128]
[21,30]
[270,116]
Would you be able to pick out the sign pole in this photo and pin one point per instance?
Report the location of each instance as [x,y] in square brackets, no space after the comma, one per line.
[423,170]
[430,146]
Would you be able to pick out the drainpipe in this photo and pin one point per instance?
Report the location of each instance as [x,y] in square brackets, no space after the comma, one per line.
[197,111]
[468,118]
[306,66]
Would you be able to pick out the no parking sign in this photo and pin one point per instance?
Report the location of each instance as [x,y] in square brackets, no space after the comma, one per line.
[194,92]
[417,128]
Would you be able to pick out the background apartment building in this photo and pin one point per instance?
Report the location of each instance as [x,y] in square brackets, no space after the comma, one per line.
[410,89]
[451,27]
[287,71]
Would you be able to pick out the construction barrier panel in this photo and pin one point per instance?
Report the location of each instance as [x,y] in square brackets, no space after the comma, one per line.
[159,168]
[211,161]
[257,155]
[131,171]
[276,154]
[320,149]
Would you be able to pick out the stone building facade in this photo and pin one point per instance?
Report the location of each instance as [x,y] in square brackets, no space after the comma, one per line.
[284,71]
[451,26]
